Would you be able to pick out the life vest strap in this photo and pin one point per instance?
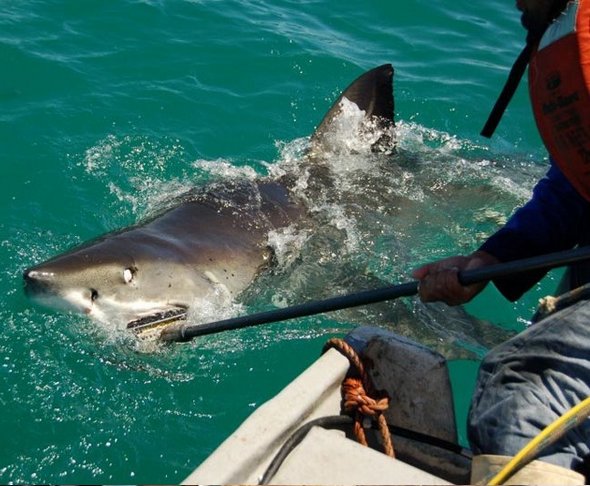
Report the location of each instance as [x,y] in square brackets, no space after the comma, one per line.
[518,68]
[516,73]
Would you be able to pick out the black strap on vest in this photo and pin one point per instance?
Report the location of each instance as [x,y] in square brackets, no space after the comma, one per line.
[518,69]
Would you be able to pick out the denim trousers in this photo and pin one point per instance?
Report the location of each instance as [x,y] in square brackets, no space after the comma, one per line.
[527,382]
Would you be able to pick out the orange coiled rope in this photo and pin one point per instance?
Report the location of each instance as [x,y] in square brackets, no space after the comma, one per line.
[356,399]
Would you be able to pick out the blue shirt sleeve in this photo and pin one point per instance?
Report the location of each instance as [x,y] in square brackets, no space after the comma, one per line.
[555,218]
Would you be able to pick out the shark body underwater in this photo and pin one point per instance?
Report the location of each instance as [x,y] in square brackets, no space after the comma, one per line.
[214,240]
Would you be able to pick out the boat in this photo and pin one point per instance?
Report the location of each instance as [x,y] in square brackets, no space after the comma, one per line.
[301,437]
[374,408]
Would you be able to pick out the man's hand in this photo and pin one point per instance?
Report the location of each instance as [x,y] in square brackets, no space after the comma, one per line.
[439,281]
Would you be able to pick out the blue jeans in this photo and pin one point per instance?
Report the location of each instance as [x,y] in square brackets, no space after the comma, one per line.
[529,381]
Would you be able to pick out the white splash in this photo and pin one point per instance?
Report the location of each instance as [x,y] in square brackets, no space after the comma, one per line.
[287,243]
[224,169]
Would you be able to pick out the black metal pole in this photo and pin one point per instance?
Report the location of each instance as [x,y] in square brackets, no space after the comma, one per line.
[185,332]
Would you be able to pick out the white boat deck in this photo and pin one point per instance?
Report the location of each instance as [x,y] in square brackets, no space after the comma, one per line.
[323,457]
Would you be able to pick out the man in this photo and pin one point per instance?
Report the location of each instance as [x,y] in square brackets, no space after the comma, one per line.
[535,377]
[556,217]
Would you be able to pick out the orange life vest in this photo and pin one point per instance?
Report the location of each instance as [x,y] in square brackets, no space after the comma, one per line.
[559,84]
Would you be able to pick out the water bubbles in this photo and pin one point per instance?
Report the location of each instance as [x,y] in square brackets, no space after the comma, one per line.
[286,244]
[96,159]
[221,169]
[133,168]
[352,134]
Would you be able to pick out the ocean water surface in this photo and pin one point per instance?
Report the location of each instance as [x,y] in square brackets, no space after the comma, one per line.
[110,109]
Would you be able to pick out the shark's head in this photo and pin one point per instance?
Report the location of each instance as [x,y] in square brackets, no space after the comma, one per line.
[115,280]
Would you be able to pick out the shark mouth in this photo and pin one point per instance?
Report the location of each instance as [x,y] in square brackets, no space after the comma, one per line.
[150,327]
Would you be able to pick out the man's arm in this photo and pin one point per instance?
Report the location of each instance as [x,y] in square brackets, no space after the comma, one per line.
[555,218]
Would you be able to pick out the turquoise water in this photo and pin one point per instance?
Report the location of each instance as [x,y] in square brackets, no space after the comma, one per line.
[110,107]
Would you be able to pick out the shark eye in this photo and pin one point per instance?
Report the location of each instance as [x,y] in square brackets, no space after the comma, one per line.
[93,294]
[128,274]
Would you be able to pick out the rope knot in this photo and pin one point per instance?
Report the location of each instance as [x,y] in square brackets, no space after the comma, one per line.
[356,400]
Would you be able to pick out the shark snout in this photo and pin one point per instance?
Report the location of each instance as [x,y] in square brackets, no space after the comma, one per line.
[47,287]
[38,281]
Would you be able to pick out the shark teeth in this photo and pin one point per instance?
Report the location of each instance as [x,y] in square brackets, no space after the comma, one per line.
[156,321]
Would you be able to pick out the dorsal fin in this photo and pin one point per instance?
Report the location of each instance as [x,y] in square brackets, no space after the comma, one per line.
[372,92]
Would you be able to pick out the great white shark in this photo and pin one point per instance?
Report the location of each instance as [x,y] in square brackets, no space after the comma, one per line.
[213,240]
